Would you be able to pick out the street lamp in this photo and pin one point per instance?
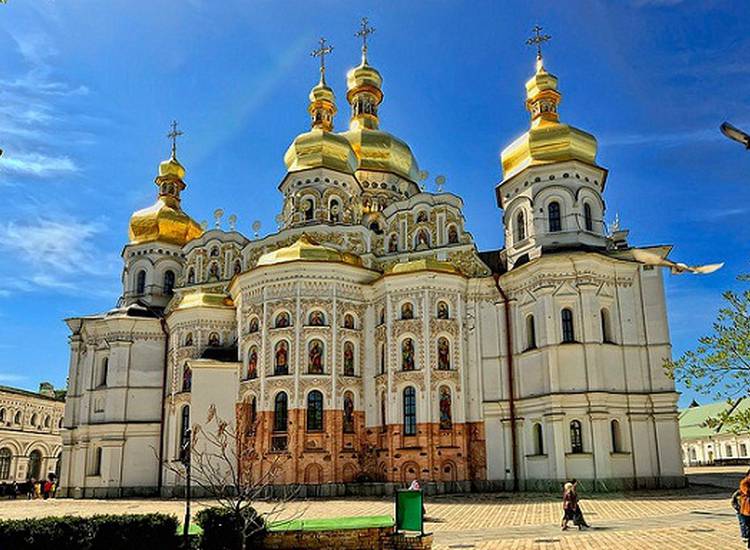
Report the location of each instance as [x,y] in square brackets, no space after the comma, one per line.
[736,134]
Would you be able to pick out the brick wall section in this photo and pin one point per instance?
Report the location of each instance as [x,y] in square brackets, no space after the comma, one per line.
[332,456]
[349,539]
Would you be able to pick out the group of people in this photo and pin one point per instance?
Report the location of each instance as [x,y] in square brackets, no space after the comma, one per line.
[31,489]
[741,505]
[571,509]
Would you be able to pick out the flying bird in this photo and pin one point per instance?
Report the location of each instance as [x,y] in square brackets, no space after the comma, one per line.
[736,134]
[650,258]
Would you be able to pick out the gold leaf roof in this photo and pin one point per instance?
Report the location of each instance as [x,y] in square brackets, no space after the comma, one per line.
[380,151]
[319,148]
[423,264]
[164,221]
[205,299]
[548,140]
[306,250]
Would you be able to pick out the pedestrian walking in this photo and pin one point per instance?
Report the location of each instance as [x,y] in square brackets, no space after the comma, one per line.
[571,508]
[743,512]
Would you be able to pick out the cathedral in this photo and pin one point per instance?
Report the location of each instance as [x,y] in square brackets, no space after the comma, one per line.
[368,340]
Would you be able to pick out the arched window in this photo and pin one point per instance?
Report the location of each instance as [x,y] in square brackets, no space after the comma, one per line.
[382,358]
[553,216]
[187,378]
[728,449]
[215,252]
[252,414]
[693,454]
[191,276]
[538,435]
[17,417]
[96,466]
[315,357]
[422,239]
[334,211]
[576,437]
[214,273]
[446,409]
[252,363]
[281,358]
[308,207]
[382,413]
[568,334]
[530,333]
[614,428]
[6,457]
[443,310]
[184,425]
[316,319]
[443,354]
[140,282]
[349,321]
[35,465]
[381,316]
[189,339]
[452,234]
[46,421]
[606,327]
[410,411]
[407,354]
[314,411]
[282,320]
[34,420]
[348,359]
[2,415]
[393,243]
[520,226]
[214,340]
[237,267]
[588,219]
[103,371]
[422,217]
[168,282]
[348,413]
[253,326]
[407,310]
[280,412]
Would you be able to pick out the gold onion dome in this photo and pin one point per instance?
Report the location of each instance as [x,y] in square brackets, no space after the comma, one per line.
[305,249]
[165,221]
[320,147]
[376,150]
[205,299]
[548,140]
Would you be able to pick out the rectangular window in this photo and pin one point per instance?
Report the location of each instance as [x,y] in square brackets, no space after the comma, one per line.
[410,411]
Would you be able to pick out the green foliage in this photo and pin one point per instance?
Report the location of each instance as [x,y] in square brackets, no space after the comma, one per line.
[223,528]
[719,366]
[109,532]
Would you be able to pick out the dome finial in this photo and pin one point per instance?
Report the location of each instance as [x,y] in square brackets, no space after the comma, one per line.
[173,135]
[537,40]
[321,52]
[364,31]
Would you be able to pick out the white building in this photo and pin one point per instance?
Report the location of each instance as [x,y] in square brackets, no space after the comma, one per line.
[718,445]
[370,318]
[30,425]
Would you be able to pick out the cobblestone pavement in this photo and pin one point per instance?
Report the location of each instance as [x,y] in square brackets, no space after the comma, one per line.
[697,518]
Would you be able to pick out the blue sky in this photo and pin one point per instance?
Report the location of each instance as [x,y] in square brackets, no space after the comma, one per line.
[88,88]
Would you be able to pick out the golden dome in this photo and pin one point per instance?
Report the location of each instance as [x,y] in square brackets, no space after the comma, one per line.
[363,76]
[163,222]
[382,152]
[322,92]
[548,140]
[205,299]
[320,149]
[172,167]
[306,250]
[423,264]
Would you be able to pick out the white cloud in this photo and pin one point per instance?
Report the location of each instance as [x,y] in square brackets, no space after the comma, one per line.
[36,164]
[11,378]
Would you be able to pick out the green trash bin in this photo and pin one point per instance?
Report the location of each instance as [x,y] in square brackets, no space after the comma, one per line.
[409,506]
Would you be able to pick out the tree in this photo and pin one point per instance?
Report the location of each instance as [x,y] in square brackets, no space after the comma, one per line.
[227,468]
[719,366]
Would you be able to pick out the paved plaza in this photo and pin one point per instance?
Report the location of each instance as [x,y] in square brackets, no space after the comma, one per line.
[697,518]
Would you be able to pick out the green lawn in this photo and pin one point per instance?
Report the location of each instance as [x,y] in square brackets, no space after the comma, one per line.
[330,524]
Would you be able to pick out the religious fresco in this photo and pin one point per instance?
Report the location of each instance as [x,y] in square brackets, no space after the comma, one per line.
[315,357]
[281,358]
[407,354]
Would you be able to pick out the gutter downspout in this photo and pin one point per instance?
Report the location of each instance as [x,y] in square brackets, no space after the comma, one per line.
[160,478]
[511,381]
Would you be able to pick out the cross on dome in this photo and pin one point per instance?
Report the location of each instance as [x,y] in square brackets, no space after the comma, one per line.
[321,52]
[537,40]
[173,135]
[364,31]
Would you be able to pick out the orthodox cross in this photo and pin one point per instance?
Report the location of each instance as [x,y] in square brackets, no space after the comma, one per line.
[173,135]
[321,53]
[364,31]
[538,39]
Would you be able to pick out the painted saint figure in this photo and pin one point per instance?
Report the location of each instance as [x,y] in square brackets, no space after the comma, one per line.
[443,312]
[253,325]
[315,364]
[252,363]
[187,378]
[317,319]
[452,235]
[348,413]
[348,321]
[189,339]
[213,340]
[393,243]
[407,354]
[444,350]
[281,365]
[407,311]
[348,359]
[446,417]
[213,272]
[282,320]
[423,239]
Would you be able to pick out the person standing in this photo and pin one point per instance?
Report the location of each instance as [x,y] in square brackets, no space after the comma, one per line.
[743,514]
[570,504]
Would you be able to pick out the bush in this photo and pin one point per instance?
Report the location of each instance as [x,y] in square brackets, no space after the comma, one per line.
[222,529]
[112,532]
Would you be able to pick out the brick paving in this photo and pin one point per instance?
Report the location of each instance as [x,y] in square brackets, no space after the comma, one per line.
[697,518]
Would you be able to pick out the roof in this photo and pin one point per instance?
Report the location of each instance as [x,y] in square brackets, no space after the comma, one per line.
[693,419]
[59,394]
